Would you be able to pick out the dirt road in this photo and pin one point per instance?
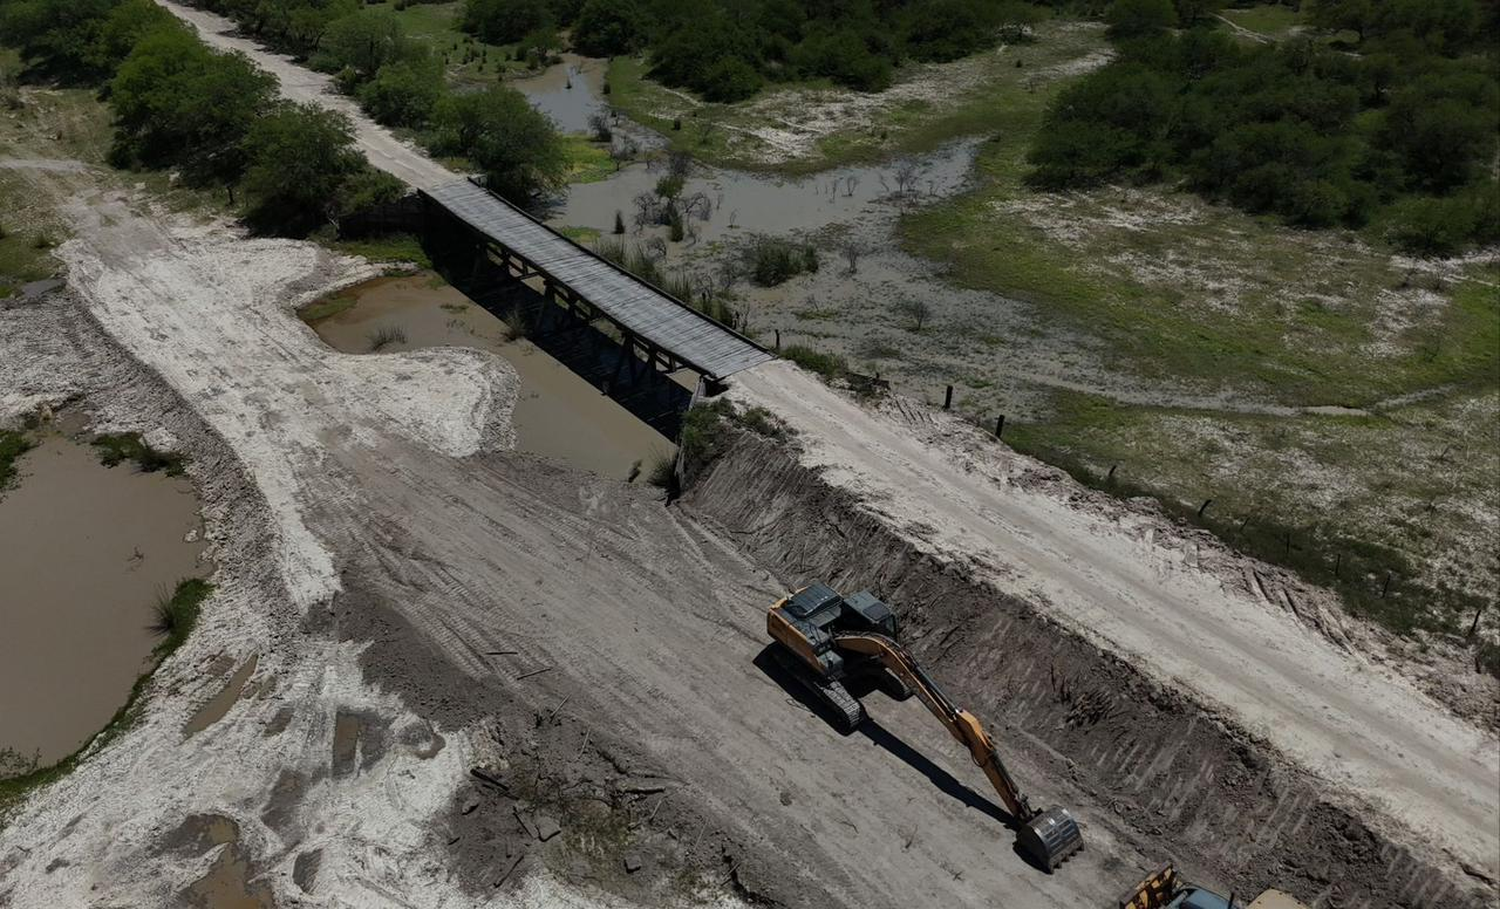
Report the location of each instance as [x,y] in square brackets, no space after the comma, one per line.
[1225,628]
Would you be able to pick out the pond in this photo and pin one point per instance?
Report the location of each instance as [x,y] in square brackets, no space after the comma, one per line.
[558,416]
[86,551]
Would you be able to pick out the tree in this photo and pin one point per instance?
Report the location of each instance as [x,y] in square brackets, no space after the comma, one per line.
[915,311]
[516,147]
[177,102]
[606,28]
[1137,18]
[504,21]
[730,79]
[405,93]
[363,42]
[301,162]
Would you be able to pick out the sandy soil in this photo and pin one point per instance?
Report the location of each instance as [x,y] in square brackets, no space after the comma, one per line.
[375,543]
[1238,634]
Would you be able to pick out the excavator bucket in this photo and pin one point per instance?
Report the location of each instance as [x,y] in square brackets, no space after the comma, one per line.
[1050,837]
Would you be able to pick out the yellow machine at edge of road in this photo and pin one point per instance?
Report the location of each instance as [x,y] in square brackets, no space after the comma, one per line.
[824,639]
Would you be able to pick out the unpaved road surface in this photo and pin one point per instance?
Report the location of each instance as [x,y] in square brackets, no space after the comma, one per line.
[1225,628]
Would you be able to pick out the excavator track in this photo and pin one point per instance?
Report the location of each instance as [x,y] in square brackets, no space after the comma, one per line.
[844,709]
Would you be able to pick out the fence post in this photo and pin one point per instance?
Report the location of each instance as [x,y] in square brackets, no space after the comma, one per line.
[948,398]
[1000,426]
[778,340]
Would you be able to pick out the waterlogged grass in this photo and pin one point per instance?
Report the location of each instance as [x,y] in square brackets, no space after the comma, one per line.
[588,161]
[184,605]
[12,446]
[117,448]
[326,307]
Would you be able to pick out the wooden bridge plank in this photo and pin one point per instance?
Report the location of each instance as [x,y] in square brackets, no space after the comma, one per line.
[654,315]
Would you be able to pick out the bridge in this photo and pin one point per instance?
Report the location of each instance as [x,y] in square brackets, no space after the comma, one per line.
[665,332]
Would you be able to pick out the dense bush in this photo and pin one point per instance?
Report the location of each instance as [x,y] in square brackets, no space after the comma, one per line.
[303,169]
[516,148]
[771,260]
[505,21]
[177,103]
[609,27]
[210,115]
[713,46]
[405,93]
[1315,135]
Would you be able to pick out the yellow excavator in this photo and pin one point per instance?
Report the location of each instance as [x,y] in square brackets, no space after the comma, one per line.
[825,640]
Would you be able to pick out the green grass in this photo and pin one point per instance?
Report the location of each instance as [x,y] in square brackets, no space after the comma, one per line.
[1273,21]
[828,365]
[176,613]
[437,24]
[185,603]
[12,446]
[327,306]
[585,236]
[117,448]
[396,247]
[588,161]
[1148,290]
[1343,500]
[981,105]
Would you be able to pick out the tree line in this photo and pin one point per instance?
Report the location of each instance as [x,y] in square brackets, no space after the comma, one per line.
[400,82]
[1384,114]
[727,50]
[212,117]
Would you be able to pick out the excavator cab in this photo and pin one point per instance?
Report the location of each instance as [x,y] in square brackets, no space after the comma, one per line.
[824,640]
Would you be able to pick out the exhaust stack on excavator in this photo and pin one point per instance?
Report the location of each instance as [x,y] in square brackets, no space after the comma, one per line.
[824,640]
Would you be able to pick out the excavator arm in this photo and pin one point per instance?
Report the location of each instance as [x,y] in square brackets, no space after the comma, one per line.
[1049,836]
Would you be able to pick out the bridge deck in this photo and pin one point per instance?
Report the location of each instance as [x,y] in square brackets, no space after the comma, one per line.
[646,311]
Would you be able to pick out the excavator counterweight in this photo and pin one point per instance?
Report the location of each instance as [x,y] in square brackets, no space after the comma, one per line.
[824,639]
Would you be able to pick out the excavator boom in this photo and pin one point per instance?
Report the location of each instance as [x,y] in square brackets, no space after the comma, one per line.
[1049,837]
[824,639]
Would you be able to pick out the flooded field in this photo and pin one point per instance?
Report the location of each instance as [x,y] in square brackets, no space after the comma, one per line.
[558,415]
[569,93]
[743,202]
[85,553]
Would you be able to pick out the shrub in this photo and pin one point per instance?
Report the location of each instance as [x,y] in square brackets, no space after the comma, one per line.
[771,260]
[405,93]
[516,147]
[504,21]
[175,615]
[117,448]
[606,28]
[730,79]
[828,365]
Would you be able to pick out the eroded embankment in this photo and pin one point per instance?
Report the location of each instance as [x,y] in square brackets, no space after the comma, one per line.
[1225,806]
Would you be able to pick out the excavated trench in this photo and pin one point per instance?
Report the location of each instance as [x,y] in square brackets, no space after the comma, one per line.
[1226,808]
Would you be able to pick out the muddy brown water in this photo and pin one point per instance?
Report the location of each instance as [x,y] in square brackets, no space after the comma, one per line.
[745,202]
[227,885]
[217,706]
[85,552]
[558,415]
[568,93]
